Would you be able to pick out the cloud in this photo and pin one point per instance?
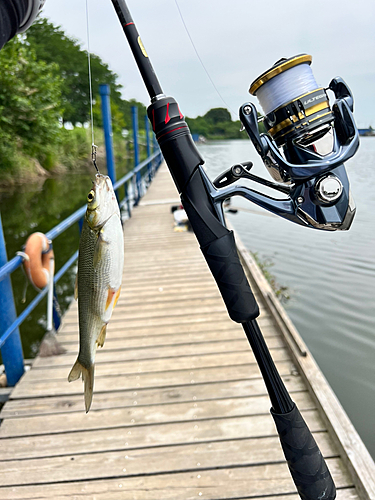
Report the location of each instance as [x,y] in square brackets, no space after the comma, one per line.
[236,40]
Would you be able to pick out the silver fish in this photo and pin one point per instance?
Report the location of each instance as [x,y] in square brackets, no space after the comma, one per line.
[99,276]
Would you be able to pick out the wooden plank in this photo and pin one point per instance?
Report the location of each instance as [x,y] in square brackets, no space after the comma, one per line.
[126,437]
[176,322]
[156,379]
[165,395]
[196,457]
[142,415]
[221,484]
[178,308]
[168,339]
[70,331]
[160,358]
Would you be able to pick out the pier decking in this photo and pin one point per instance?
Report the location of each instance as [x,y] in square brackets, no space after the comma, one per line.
[180,410]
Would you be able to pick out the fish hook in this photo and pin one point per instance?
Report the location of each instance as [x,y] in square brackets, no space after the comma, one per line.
[93,156]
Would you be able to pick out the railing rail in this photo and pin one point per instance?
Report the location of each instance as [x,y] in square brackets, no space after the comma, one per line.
[135,182]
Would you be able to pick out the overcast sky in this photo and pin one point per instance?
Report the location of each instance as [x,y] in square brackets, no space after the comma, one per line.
[236,39]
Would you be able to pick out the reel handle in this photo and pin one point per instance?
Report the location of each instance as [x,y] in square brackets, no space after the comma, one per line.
[248,117]
[232,174]
[305,461]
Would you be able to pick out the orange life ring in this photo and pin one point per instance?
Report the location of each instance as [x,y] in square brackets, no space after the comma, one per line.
[37,264]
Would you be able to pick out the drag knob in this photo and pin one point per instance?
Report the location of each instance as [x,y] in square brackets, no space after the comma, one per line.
[328,189]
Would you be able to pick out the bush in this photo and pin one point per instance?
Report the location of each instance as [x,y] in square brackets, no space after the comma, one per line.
[29,107]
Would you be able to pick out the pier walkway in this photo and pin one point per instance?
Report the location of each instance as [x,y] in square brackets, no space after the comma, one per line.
[180,410]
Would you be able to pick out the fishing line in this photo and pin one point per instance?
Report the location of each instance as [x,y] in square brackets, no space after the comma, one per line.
[200,60]
[93,146]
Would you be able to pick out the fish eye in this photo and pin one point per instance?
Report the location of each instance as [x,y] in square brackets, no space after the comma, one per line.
[90,196]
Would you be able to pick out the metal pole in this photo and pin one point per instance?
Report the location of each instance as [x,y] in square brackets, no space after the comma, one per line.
[136,151]
[107,126]
[135,134]
[50,296]
[12,349]
[147,128]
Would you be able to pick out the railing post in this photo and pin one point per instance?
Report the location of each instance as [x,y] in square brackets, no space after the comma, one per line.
[136,151]
[11,351]
[107,126]
[128,205]
[148,145]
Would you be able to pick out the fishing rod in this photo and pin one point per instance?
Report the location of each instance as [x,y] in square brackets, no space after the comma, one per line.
[299,121]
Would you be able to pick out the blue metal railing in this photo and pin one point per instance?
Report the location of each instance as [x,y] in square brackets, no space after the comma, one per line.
[135,183]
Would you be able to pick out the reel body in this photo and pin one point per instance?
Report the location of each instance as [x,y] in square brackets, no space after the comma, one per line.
[304,149]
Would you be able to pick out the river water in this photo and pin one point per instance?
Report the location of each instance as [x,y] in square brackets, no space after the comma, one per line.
[330,275]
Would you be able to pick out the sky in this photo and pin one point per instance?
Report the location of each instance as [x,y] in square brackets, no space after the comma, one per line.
[236,40]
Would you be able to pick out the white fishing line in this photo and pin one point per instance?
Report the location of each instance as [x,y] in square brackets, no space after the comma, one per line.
[93,147]
[200,60]
[286,87]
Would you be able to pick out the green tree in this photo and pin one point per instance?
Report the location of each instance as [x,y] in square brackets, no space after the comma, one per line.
[29,104]
[51,44]
[216,124]
[218,115]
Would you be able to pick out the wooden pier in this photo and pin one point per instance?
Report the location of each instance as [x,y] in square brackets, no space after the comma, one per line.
[180,410]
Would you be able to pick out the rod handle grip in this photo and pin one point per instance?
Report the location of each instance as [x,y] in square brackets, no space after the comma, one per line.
[306,463]
[223,260]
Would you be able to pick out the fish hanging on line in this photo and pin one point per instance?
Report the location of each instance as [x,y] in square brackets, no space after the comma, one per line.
[99,276]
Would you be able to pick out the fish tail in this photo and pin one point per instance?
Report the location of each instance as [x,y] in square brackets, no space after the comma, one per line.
[88,379]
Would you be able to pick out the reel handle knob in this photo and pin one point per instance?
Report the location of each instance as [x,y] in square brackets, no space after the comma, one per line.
[232,174]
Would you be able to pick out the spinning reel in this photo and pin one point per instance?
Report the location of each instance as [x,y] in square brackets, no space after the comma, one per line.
[304,148]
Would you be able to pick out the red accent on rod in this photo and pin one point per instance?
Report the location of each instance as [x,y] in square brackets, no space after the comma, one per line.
[181,115]
[167,117]
[128,24]
[170,131]
[153,120]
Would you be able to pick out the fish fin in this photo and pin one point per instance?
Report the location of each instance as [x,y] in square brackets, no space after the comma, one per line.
[75,372]
[102,335]
[88,379]
[76,288]
[99,248]
[117,296]
[111,297]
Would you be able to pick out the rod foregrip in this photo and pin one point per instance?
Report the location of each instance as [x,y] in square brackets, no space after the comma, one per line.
[306,463]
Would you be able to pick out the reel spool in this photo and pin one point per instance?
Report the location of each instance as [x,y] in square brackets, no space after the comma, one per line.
[295,106]
[306,144]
